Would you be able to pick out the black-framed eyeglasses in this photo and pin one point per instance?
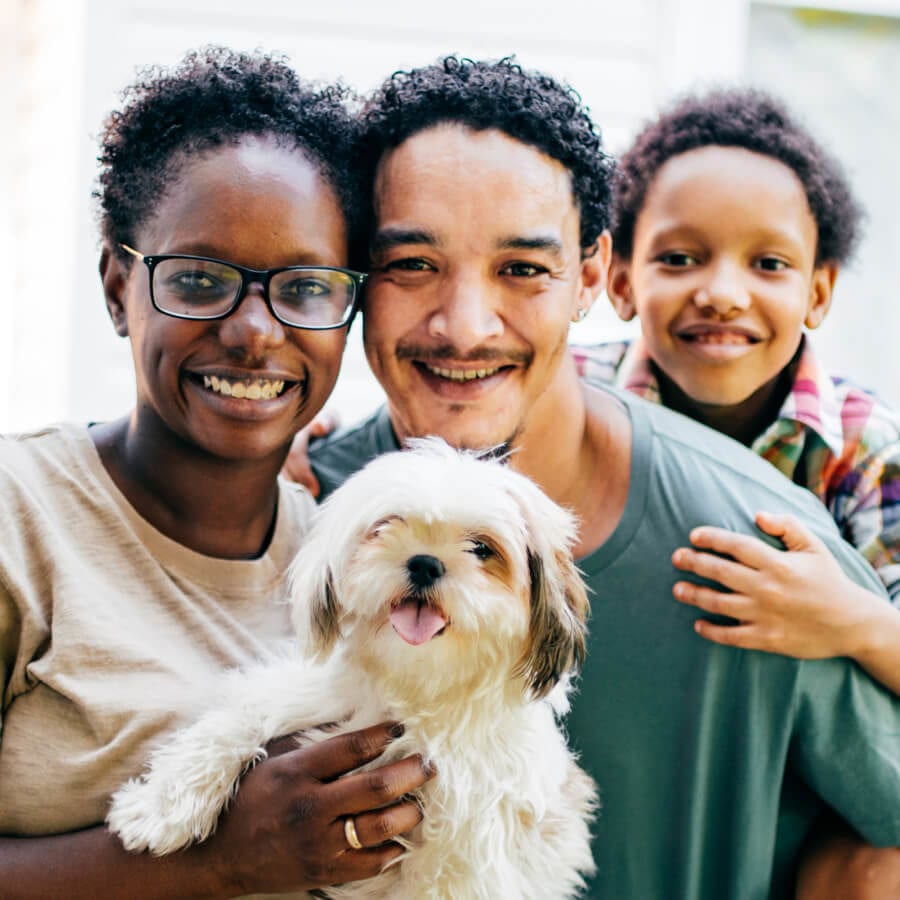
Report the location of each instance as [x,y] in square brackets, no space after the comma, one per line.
[198,287]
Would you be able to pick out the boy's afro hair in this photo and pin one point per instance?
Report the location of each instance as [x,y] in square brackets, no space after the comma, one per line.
[755,121]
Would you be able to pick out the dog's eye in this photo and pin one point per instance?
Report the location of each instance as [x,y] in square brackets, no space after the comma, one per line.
[482,550]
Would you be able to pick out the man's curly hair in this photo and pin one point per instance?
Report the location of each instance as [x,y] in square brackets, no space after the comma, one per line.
[216,97]
[529,106]
[755,121]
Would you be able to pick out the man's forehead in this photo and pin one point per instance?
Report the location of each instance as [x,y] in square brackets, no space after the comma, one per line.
[447,174]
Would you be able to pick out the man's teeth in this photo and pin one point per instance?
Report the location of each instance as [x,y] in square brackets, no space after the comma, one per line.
[462,374]
[258,389]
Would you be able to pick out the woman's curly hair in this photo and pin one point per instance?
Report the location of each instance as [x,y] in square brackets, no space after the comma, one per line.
[528,106]
[213,97]
[755,121]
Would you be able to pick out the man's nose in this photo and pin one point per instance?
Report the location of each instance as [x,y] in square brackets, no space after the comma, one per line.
[468,311]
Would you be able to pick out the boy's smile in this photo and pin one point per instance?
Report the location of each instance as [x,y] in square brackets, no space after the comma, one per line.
[723,274]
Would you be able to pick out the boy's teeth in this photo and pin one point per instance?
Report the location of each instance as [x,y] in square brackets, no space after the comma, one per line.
[462,374]
[258,389]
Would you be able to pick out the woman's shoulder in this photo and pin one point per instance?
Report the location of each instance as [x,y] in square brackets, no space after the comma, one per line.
[44,460]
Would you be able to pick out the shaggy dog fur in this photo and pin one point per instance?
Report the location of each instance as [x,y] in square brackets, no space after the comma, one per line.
[437,589]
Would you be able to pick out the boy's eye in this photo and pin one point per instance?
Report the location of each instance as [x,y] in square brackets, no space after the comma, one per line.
[522,270]
[678,259]
[771,264]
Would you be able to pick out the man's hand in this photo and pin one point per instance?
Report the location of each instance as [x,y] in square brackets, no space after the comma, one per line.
[296,466]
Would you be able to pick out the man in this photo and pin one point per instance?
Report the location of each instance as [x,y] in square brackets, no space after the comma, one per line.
[490,203]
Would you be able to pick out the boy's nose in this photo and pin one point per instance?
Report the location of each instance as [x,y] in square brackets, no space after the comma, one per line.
[724,291]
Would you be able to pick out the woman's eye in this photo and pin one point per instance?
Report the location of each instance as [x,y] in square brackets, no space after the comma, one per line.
[195,284]
[522,270]
[481,550]
[677,259]
[304,287]
[771,264]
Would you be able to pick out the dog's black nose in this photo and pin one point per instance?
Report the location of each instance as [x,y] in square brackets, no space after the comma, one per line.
[424,570]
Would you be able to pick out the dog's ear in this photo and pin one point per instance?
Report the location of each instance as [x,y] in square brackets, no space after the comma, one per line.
[314,607]
[323,617]
[557,630]
[559,603]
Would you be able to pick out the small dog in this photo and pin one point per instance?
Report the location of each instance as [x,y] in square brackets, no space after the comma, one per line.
[437,589]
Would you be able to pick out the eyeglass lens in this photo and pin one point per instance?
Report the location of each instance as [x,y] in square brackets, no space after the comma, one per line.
[309,297]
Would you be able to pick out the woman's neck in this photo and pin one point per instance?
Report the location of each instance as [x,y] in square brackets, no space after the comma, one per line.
[218,507]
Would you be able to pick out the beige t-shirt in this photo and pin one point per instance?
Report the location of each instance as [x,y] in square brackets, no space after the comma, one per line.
[110,633]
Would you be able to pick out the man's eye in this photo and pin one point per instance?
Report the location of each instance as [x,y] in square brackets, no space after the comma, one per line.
[771,264]
[411,264]
[481,550]
[522,270]
[677,259]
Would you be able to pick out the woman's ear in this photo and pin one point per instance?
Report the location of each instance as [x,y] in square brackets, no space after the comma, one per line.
[820,291]
[619,288]
[114,275]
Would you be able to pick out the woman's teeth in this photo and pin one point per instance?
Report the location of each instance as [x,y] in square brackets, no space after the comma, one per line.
[258,389]
[462,374]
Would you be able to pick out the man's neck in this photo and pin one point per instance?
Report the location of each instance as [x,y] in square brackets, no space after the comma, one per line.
[577,447]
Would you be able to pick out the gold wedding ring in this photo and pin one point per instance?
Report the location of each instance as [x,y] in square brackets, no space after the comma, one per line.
[351,835]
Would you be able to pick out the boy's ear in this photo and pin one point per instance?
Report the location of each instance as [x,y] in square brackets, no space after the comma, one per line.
[820,294]
[114,275]
[618,288]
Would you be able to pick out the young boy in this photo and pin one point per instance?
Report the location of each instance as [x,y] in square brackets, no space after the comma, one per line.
[730,226]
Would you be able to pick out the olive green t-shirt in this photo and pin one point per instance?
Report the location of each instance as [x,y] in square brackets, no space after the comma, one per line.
[712,762]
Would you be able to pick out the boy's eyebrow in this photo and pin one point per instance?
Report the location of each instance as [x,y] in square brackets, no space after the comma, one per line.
[388,238]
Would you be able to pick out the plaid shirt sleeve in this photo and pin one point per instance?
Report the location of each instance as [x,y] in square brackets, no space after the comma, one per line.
[866,507]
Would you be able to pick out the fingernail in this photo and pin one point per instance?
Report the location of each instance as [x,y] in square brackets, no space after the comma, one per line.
[397,730]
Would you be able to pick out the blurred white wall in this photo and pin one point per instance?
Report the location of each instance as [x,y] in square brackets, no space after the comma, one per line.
[65,61]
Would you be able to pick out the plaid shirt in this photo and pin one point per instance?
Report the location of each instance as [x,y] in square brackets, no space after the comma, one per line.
[830,436]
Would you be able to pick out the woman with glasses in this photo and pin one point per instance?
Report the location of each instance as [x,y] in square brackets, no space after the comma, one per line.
[140,558]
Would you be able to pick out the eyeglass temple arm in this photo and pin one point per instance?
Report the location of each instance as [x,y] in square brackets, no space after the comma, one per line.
[132,251]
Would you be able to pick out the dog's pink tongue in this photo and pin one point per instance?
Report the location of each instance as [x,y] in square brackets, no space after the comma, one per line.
[416,622]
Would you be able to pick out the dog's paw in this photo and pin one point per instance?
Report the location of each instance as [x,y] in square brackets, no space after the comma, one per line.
[149,814]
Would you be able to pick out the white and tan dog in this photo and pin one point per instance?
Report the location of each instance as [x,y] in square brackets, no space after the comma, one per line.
[436,589]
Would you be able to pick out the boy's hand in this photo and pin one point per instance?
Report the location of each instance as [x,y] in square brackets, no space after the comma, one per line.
[798,603]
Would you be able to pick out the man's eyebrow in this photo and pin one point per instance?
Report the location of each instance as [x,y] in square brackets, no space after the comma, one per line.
[388,238]
[549,243]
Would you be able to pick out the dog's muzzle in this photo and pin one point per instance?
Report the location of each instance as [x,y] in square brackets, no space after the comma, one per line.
[424,570]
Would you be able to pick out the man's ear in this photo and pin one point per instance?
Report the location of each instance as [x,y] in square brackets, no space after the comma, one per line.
[114,275]
[820,291]
[594,267]
[619,288]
